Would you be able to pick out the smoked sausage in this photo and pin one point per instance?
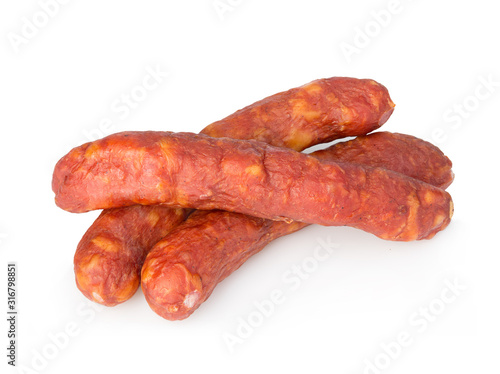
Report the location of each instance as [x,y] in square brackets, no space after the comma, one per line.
[200,172]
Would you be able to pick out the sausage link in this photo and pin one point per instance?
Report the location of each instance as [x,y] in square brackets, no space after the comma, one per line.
[315,113]
[182,270]
[296,118]
[405,154]
[199,172]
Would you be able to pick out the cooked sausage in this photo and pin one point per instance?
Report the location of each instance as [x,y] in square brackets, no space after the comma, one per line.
[196,171]
[182,270]
[405,154]
[318,112]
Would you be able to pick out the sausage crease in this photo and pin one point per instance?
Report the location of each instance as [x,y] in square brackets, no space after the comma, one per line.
[183,269]
[108,272]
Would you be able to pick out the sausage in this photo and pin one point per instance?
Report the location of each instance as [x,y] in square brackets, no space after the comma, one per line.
[315,113]
[297,118]
[182,270]
[199,172]
[403,153]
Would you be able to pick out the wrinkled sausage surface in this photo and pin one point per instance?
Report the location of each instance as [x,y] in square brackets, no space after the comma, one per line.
[196,171]
[403,153]
[318,112]
[182,270]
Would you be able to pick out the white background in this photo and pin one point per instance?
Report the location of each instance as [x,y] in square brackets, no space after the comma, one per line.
[62,71]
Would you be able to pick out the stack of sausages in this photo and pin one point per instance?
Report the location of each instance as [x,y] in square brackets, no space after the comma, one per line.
[182,211]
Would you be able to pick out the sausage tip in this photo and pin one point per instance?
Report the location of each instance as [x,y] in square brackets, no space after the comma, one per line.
[173,291]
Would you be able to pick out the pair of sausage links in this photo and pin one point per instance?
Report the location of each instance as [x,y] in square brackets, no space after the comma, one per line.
[196,171]
[109,257]
[182,270]
[107,270]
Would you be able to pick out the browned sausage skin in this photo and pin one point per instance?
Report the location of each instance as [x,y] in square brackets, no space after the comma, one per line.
[196,171]
[182,270]
[405,154]
[318,112]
